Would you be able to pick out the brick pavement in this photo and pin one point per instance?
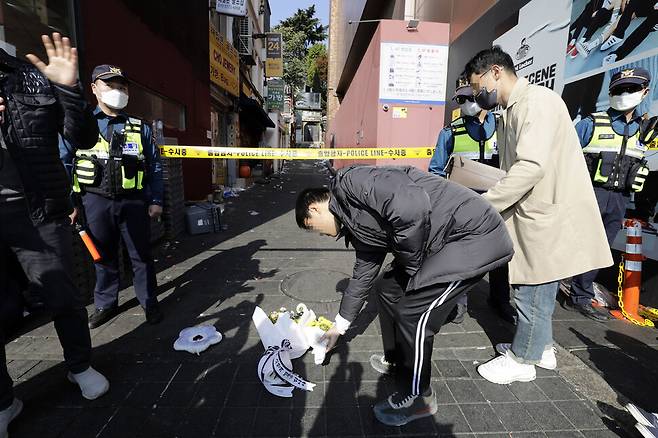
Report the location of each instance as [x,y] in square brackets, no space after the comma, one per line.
[218,279]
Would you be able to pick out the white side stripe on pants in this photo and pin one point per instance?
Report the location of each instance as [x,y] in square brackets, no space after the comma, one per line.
[420,337]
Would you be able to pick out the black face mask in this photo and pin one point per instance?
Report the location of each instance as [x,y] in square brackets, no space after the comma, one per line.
[487,100]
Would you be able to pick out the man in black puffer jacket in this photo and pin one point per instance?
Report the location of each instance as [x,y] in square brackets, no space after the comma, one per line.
[38,102]
[444,238]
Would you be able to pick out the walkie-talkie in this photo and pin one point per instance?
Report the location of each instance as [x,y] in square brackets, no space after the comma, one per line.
[114,160]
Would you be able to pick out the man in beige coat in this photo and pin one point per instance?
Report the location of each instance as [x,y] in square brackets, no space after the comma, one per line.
[548,205]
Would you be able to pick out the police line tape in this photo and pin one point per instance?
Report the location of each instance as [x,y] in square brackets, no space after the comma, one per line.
[177,151]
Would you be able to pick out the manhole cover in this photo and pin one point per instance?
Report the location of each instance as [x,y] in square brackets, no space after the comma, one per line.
[315,285]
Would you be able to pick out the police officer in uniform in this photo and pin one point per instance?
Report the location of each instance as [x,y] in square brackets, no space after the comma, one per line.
[120,179]
[473,136]
[615,158]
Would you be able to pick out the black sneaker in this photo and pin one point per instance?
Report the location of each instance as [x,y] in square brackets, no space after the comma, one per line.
[101,316]
[647,431]
[381,365]
[586,310]
[153,314]
[641,416]
[458,314]
[400,409]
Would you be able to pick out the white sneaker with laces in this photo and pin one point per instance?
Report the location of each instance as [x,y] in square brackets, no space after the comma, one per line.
[7,415]
[586,48]
[92,383]
[504,370]
[610,43]
[548,359]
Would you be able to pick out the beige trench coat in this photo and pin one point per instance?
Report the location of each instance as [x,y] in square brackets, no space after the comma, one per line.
[546,198]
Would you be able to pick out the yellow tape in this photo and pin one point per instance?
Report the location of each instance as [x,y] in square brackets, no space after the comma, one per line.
[178,151]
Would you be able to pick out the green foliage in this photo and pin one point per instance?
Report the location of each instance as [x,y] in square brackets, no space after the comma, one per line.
[294,52]
[304,21]
[304,57]
[316,53]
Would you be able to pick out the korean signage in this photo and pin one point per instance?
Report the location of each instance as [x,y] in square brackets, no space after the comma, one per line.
[232,7]
[224,63]
[413,73]
[275,94]
[309,101]
[274,56]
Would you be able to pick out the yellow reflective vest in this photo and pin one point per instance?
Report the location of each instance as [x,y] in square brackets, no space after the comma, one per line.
[467,147]
[613,161]
[113,168]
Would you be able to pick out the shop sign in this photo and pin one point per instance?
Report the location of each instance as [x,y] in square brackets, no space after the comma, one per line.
[274,56]
[275,94]
[236,8]
[224,63]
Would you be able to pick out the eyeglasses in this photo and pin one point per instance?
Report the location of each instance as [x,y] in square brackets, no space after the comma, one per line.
[462,99]
[476,86]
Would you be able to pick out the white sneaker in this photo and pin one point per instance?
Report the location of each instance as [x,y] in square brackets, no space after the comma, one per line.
[92,383]
[610,43]
[504,370]
[7,415]
[586,48]
[610,59]
[548,360]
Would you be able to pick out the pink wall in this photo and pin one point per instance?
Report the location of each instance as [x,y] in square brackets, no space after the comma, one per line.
[361,121]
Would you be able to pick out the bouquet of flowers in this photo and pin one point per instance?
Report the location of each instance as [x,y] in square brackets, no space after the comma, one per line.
[298,315]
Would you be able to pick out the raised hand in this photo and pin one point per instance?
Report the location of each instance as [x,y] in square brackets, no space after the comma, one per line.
[62,67]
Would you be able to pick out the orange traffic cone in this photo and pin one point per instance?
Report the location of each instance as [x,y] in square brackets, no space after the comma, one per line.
[629,302]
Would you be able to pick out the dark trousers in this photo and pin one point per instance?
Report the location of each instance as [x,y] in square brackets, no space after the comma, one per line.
[409,322]
[613,207]
[583,19]
[641,8]
[499,288]
[45,254]
[109,220]
[638,35]
[599,20]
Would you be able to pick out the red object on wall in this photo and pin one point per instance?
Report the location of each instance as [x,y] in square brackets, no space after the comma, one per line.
[245,171]
[165,57]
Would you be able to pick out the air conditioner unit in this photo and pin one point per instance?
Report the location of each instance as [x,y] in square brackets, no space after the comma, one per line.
[245,41]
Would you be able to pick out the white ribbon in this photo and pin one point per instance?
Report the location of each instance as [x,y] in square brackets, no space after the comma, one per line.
[275,371]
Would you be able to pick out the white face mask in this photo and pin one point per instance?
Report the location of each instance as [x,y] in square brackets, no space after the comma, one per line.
[626,101]
[470,108]
[115,99]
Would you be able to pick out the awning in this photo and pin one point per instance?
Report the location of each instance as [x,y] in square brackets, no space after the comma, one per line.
[251,109]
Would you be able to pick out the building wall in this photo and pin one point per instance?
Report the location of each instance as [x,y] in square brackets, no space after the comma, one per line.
[361,120]
[147,57]
[466,12]
[348,42]
[479,36]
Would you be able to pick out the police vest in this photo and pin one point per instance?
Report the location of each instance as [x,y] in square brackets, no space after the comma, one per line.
[113,168]
[613,159]
[467,147]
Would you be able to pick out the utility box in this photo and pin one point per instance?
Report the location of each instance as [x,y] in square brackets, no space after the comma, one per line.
[203,218]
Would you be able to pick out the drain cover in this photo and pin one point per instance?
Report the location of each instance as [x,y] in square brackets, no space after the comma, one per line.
[315,285]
